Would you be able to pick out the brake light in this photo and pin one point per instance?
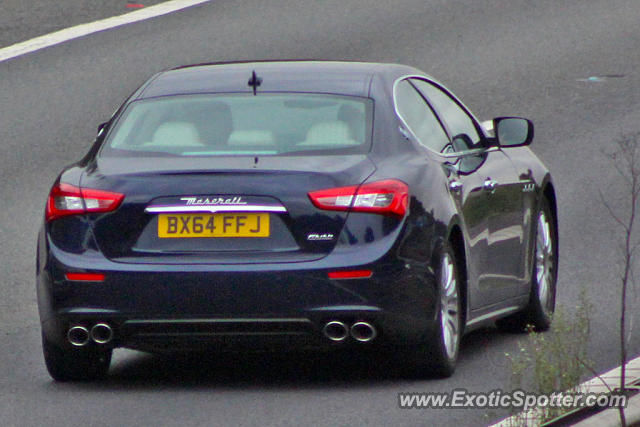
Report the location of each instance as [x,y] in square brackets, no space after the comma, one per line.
[66,199]
[388,197]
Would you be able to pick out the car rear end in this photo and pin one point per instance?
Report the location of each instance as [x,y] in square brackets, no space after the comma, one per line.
[231,221]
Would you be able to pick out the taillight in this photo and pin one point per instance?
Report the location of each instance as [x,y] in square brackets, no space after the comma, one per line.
[388,197]
[66,199]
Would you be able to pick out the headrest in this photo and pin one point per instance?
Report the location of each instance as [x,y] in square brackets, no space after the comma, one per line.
[176,134]
[329,133]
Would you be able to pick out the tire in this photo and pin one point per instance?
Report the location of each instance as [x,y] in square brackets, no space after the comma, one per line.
[544,276]
[439,354]
[75,364]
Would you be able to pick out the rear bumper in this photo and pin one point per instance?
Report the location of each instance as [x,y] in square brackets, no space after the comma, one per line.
[177,307]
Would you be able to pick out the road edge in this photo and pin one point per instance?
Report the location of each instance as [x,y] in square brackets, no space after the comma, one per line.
[71,33]
[599,384]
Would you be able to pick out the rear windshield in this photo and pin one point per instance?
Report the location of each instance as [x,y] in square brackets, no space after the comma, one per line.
[242,124]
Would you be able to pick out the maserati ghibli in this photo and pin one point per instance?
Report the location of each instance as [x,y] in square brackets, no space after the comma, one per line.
[307,205]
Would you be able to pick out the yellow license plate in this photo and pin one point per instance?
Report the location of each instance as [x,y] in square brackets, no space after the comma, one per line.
[214,225]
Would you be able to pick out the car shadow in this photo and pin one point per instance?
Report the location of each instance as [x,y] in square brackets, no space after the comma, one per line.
[478,340]
[336,369]
[250,370]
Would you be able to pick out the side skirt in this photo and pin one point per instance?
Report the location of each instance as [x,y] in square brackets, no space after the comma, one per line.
[486,315]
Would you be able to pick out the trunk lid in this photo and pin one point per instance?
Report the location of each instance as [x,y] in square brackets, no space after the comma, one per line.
[222,196]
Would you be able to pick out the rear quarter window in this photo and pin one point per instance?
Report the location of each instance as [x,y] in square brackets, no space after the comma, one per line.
[419,117]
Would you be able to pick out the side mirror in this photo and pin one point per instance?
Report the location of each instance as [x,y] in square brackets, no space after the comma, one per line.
[102,127]
[513,131]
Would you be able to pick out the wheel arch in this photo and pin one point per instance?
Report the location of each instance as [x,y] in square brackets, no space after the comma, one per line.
[549,193]
[456,240]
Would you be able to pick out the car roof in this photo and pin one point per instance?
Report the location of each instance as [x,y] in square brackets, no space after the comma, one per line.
[335,77]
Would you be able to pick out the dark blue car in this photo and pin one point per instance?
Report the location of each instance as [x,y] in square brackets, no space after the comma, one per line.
[301,204]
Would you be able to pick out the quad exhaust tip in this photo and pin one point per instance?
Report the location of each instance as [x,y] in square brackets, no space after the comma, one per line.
[78,335]
[363,331]
[101,333]
[360,331]
[336,331]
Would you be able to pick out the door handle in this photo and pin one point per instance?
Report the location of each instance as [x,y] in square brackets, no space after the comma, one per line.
[490,185]
[455,186]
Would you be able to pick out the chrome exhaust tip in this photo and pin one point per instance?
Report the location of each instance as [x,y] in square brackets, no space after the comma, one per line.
[335,331]
[78,335]
[363,331]
[101,333]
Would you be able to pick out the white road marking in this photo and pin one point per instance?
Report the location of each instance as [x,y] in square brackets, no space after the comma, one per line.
[71,33]
[594,385]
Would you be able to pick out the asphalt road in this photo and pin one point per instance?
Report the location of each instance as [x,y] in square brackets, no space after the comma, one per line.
[22,20]
[516,57]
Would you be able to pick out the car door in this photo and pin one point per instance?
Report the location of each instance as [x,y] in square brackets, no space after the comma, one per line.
[489,196]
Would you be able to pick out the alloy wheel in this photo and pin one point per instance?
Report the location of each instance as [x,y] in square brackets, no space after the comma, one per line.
[449,307]
[544,262]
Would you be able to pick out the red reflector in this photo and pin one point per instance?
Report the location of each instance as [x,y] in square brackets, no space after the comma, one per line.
[388,197]
[84,277]
[350,274]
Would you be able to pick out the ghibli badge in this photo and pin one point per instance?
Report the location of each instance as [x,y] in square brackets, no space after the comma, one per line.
[316,236]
